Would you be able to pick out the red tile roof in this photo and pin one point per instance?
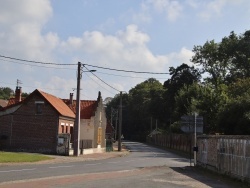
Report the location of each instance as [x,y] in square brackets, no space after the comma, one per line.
[87,107]
[12,101]
[58,104]
[3,103]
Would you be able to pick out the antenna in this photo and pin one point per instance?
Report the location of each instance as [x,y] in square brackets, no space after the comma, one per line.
[18,82]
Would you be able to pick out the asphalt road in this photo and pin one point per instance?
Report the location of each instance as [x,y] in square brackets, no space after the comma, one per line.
[145,166]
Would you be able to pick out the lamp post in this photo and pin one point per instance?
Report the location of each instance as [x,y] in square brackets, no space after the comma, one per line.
[77,120]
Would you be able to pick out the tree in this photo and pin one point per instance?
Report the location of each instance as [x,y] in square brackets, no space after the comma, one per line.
[235,116]
[5,92]
[181,76]
[225,61]
[145,102]
[139,105]
[203,99]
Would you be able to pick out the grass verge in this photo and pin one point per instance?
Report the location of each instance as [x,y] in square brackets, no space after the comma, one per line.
[16,157]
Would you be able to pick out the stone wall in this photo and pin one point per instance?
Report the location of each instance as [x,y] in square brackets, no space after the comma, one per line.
[226,154]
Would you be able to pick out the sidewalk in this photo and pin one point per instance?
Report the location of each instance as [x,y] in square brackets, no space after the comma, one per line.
[86,157]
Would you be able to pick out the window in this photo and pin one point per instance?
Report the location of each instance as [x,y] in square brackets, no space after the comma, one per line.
[39,105]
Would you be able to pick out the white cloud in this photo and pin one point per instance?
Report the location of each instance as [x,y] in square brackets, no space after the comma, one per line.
[215,8]
[57,86]
[183,56]
[211,9]
[21,23]
[142,16]
[21,36]
[172,8]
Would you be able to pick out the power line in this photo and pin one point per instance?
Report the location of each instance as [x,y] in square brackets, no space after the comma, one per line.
[100,84]
[49,63]
[121,70]
[36,65]
[31,61]
[101,81]
[126,76]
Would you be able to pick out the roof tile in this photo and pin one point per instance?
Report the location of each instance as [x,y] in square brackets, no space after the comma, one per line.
[58,104]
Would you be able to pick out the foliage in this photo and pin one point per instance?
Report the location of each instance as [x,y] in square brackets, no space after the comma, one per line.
[222,97]
[234,118]
[181,76]
[225,61]
[5,93]
[176,127]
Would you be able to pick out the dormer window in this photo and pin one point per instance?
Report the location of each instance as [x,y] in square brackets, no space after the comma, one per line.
[39,105]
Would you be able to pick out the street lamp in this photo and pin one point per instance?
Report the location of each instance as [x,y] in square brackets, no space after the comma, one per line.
[77,120]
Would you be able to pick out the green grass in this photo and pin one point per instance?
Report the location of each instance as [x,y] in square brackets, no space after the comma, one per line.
[13,157]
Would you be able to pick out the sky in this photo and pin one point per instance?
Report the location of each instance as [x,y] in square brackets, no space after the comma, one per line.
[134,35]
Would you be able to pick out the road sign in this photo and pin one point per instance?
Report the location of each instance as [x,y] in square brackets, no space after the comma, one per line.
[188,123]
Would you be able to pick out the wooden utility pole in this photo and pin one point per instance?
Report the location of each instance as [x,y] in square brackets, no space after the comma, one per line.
[77,120]
[120,124]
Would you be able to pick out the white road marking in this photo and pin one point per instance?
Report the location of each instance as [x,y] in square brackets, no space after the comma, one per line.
[18,170]
[129,161]
[61,166]
[92,164]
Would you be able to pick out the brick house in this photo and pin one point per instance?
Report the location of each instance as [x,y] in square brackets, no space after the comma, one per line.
[33,124]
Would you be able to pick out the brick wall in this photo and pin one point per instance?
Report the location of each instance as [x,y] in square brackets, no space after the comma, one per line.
[28,131]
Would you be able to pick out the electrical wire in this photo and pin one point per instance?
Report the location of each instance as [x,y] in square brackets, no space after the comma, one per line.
[126,76]
[101,79]
[36,65]
[38,62]
[99,84]
[120,70]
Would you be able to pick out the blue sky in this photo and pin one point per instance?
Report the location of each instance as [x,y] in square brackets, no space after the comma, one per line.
[138,35]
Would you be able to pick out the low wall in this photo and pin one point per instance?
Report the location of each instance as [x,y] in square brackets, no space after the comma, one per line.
[225,154]
[182,142]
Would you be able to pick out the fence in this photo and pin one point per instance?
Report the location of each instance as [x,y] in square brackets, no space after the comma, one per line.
[225,154]
[182,142]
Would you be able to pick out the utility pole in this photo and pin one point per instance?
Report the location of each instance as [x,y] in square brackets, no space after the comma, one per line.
[120,123]
[195,140]
[77,120]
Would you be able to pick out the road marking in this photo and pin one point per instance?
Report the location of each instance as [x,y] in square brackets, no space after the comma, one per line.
[92,164]
[61,166]
[129,161]
[114,162]
[18,170]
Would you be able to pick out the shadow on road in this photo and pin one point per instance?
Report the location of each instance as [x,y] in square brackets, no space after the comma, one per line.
[211,179]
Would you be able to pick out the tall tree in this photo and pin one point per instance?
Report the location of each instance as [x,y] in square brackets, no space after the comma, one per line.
[235,116]
[225,61]
[181,76]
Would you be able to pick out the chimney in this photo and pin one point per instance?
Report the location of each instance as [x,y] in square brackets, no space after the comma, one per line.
[18,94]
[71,98]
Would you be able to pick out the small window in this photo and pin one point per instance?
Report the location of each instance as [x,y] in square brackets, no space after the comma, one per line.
[39,109]
[39,105]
